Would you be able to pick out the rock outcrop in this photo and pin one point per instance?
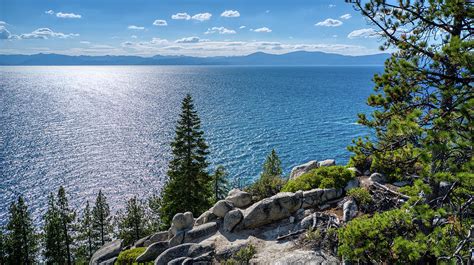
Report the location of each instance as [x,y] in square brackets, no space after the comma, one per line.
[327,163]
[232,219]
[108,251]
[303,168]
[239,199]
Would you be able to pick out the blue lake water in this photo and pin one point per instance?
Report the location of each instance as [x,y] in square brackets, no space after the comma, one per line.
[90,128]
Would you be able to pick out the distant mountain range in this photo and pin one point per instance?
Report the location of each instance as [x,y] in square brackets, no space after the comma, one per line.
[258,58]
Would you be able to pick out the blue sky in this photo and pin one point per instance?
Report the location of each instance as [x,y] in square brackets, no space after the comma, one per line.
[184,27]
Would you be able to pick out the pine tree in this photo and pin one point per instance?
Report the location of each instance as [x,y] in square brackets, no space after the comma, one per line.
[270,181]
[424,100]
[101,218]
[190,186]
[21,239]
[67,217]
[221,185]
[54,251]
[3,247]
[154,204]
[89,239]
[133,224]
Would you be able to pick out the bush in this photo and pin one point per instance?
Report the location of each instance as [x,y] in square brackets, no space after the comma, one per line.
[323,177]
[361,195]
[242,257]
[265,187]
[129,256]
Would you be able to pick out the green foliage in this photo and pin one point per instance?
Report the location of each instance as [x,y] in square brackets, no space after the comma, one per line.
[361,195]
[154,204]
[3,247]
[101,218]
[20,243]
[221,185]
[242,257]
[133,224]
[87,239]
[190,186]
[129,256]
[323,177]
[270,181]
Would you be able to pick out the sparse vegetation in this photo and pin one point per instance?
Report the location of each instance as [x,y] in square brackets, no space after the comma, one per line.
[242,257]
[128,257]
[323,177]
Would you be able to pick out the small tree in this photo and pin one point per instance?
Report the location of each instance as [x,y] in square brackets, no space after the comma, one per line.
[133,224]
[270,181]
[221,185]
[89,239]
[101,218]
[154,204]
[21,239]
[190,186]
[67,217]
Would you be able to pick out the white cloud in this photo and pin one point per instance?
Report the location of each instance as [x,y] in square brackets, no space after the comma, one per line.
[220,30]
[329,23]
[158,41]
[332,5]
[49,12]
[134,37]
[263,29]
[67,15]
[242,27]
[4,33]
[136,27]
[46,33]
[182,16]
[345,16]
[363,33]
[160,22]
[193,39]
[202,16]
[230,13]
[85,42]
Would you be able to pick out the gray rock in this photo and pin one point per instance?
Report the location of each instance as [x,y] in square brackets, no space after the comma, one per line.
[303,168]
[205,217]
[353,183]
[377,177]
[153,251]
[239,199]
[157,237]
[401,183]
[183,221]
[141,242]
[300,214]
[349,210]
[110,261]
[268,210]
[327,163]
[232,219]
[178,261]
[177,239]
[107,251]
[184,250]
[330,194]
[307,222]
[312,197]
[221,208]
[200,232]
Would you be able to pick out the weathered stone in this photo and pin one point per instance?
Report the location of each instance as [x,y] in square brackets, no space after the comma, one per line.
[157,237]
[205,217]
[221,208]
[312,197]
[377,177]
[330,194]
[153,251]
[177,261]
[307,222]
[401,183]
[177,239]
[231,219]
[184,250]
[110,261]
[327,163]
[268,210]
[141,242]
[349,210]
[353,183]
[107,251]
[183,221]
[303,168]
[238,198]
[200,232]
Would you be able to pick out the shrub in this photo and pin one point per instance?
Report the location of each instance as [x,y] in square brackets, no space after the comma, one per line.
[242,257]
[129,256]
[361,195]
[323,177]
[265,187]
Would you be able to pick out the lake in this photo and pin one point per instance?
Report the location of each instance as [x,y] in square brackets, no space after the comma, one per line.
[109,127]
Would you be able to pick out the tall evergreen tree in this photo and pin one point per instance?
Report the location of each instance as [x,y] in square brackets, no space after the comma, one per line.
[21,239]
[53,248]
[133,224]
[67,218]
[154,204]
[88,238]
[220,183]
[190,186]
[101,218]
[272,165]
[3,247]
[270,181]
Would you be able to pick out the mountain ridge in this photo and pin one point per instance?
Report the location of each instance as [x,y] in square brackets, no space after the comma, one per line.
[258,58]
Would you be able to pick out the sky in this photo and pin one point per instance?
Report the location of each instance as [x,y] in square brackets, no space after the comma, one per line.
[183,27]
